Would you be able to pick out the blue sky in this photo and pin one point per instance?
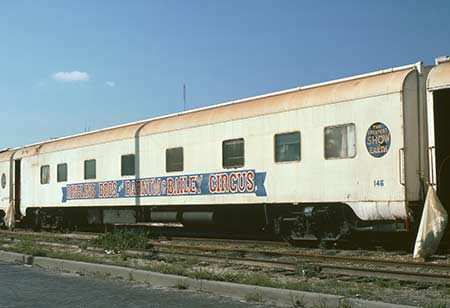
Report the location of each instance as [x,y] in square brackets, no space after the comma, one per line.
[68,66]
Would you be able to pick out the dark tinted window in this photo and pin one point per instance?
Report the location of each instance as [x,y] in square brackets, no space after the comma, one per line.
[45,174]
[90,169]
[340,141]
[233,153]
[128,165]
[287,147]
[174,159]
[62,173]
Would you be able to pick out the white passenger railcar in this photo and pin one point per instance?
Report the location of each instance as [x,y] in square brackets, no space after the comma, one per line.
[309,162]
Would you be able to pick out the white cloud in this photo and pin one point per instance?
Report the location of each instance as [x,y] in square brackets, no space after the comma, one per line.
[111,84]
[71,76]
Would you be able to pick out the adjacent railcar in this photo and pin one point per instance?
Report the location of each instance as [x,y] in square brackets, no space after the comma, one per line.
[5,192]
[312,162]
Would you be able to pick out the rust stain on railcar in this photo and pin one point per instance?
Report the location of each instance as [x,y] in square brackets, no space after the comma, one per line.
[105,136]
[303,98]
[27,151]
[329,94]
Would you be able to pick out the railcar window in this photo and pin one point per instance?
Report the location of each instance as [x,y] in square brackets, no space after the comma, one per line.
[45,174]
[90,171]
[174,159]
[128,165]
[287,147]
[340,141]
[62,173]
[233,153]
[3,180]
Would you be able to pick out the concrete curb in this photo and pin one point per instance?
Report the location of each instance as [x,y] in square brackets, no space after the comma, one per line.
[234,290]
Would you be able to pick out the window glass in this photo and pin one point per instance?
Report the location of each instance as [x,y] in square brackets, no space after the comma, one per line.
[90,169]
[340,141]
[62,173]
[3,180]
[287,147]
[233,153]
[128,165]
[174,159]
[45,174]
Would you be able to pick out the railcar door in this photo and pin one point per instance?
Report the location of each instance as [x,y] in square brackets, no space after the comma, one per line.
[438,111]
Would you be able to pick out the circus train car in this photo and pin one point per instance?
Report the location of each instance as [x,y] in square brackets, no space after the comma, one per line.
[313,162]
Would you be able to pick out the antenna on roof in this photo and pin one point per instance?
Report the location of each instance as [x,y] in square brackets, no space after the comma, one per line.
[184,97]
[87,126]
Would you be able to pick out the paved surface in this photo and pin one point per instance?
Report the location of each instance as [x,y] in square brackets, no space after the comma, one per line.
[25,287]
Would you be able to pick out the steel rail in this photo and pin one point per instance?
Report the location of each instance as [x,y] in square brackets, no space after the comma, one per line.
[231,241]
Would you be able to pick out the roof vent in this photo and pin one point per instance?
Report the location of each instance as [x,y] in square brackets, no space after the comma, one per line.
[442,59]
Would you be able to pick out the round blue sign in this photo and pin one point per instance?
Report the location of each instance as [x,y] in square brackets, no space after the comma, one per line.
[378,139]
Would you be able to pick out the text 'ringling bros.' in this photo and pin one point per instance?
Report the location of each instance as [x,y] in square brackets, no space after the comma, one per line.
[232,182]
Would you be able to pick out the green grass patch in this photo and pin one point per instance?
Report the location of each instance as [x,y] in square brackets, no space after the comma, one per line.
[437,305]
[28,247]
[122,240]
[182,285]
[254,297]
[308,269]
[167,268]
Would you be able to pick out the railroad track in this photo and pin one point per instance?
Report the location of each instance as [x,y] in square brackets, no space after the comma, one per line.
[229,241]
[323,261]
[326,264]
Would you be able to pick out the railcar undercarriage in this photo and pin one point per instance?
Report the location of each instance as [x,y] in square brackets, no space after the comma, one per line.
[325,223]
[2,216]
[314,222]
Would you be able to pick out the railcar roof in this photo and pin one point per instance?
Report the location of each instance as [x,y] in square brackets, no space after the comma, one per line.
[439,77]
[340,90]
[5,154]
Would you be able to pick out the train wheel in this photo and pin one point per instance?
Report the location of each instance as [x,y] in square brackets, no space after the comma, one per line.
[313,226]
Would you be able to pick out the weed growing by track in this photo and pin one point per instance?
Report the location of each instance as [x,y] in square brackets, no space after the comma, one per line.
[29,247]
[308,269]
[254,297]
[122,240]
[182,285]
[437,305]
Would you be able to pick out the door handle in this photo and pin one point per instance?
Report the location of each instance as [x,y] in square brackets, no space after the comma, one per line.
[401,165]
[432,161]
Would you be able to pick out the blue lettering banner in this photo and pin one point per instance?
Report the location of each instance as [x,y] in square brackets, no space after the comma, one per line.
[231,182]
